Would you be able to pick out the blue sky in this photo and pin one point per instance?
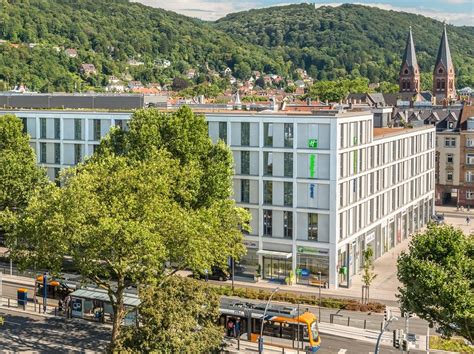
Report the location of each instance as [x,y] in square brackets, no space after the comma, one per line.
[456,12]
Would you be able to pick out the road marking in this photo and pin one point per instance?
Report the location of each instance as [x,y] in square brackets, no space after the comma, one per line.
[342,351]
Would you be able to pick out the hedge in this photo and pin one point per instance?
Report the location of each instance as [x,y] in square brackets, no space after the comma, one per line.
[293,298]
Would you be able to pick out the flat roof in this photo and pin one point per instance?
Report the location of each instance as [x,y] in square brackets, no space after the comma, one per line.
[380,133]
[102,295]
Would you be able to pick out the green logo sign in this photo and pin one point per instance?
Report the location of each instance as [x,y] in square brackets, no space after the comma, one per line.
[312,165]
[313,143]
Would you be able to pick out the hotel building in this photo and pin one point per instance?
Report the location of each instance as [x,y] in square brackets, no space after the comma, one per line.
[321,186]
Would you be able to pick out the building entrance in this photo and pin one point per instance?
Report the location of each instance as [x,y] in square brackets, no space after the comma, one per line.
[276,268]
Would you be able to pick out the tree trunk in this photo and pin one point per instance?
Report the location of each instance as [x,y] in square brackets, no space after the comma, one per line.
[119,312]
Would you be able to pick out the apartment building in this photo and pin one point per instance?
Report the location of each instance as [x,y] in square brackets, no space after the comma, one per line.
[466,170]
[321,186]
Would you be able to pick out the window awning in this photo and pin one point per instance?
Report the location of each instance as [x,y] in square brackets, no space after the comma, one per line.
[275,254]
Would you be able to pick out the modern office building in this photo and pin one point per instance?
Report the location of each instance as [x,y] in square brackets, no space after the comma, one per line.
[321,186]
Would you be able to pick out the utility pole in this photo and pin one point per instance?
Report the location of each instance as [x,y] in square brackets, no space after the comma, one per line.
[388,318]
[233,272]
[260,339]
[298,331]
[319,311]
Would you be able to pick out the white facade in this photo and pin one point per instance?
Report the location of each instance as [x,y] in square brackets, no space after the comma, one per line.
[321,188]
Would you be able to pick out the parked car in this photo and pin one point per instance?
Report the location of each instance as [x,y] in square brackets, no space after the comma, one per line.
[216,273]
[438,218]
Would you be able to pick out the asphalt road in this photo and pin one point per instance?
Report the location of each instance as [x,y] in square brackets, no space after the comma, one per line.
[24,332]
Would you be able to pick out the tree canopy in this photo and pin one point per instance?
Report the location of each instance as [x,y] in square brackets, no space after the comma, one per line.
[178,317]
[437,274]
[351,40]
[153,196]
[19,173]
[347,41]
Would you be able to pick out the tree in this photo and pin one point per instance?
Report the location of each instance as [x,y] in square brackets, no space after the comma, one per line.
[177,317]
[437,274]
[19,173]
[180,84]
[368,275]
[143,201]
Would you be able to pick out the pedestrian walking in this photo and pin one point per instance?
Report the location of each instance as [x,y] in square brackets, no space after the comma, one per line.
[468,220]
[206,274]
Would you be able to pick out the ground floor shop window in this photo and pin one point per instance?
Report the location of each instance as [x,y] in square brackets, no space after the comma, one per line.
[309,266]
[276,268]
[247,265]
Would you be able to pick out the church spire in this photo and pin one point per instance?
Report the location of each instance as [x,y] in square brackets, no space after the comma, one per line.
[409,58]
[444,54]
[443,75]
[409,78]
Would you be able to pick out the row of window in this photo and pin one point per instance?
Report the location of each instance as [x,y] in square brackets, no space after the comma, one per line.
[96,126]
[355,133]
[364,214]
[288,134]
[361,187]
[365,159]
[312,228]
[267,163]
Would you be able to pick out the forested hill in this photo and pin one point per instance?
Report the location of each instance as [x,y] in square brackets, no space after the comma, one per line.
[108,33]
[328,42]
[351,39]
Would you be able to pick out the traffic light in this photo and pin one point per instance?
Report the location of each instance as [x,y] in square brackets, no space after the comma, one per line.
[404,345]
[396,339]
[386,315]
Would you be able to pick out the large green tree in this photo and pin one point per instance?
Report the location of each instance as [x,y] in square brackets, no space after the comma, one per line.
[19,173]
[144,201]
[178,317]
[437,274]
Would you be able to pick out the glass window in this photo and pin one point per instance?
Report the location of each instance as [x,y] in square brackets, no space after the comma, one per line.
[469,194]
[245,134]
[313,227]
[245,191]
[450,142]
[267,192]
[245,162]
[77,129]
[43,128]
[267,163]
[97,124]
[288,224]
[449,176]
[268,134]
[223,131]
[43,152]
[119,123]
[288,164]
[77,153]
[288,128]
[57,153]
[288,193]
[450,158]
[469,159]
[57,128]
[267,222]
[25,125]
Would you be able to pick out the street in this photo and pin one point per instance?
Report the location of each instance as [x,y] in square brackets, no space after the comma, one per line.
[22,332]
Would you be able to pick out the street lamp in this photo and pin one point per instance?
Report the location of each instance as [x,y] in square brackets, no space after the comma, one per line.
[260,339]
[320,283]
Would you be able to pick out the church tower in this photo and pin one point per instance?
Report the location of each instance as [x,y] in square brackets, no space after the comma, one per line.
[443,74]
[409,78]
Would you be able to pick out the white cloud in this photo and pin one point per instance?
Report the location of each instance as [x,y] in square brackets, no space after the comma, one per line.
[203,9]
[453,18]
[215,9]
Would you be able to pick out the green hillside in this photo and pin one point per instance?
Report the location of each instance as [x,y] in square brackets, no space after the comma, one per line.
[107,33]
[330,42]
[347,41]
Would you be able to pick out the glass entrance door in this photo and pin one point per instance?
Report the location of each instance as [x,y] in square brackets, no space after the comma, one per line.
[276,268]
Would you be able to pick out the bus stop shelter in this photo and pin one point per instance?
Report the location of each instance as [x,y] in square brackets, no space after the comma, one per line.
[94,304]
